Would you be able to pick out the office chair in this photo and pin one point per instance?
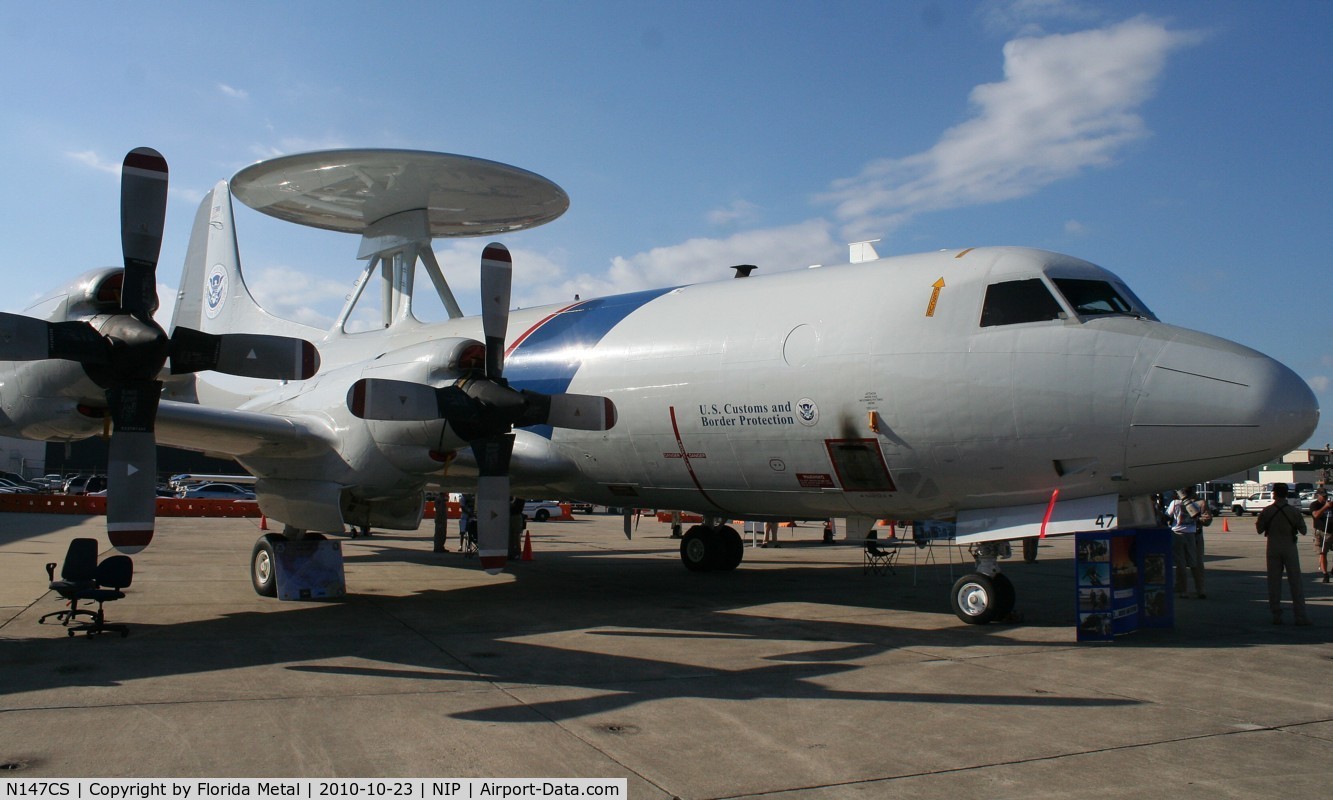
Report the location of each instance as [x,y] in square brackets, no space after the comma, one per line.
[113,575]
[78,573]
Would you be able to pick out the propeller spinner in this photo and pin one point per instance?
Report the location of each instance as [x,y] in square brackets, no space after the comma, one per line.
[126,351]
[483,410]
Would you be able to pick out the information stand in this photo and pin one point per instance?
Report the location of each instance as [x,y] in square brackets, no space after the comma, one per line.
[309,569]
[1123,582]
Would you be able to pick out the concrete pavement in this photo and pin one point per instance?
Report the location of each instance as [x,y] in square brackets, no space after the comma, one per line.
[794,676]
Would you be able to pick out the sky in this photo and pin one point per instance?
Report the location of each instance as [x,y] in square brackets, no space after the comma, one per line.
[1183,145]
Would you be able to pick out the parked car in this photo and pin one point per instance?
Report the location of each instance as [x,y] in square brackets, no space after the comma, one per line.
[10,487]
[85,484]
[542,510]
[1253,504]
[217,491]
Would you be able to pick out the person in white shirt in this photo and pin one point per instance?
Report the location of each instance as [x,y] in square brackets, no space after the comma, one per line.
[1186,539]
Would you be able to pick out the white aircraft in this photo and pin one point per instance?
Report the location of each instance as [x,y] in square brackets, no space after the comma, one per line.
[1008,391]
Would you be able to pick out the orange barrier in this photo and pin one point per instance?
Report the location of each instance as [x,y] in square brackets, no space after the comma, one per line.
[454,511]
[171,506]
[665,516]
[96,506]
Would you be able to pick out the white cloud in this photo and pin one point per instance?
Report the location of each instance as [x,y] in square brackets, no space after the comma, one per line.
[737,212]
[233,92]
[1068,102]
[1319,383]
[91,159]
[296,295]
[706,259]
[1075,228]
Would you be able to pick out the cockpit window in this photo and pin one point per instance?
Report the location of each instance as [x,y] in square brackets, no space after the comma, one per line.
[1090,298]
[1012,302]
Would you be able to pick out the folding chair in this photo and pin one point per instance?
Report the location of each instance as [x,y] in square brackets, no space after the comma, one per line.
[877,560]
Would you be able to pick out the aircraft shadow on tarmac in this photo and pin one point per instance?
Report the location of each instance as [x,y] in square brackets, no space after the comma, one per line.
[626,626]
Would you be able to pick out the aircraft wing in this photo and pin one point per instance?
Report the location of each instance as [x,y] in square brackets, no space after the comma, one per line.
[229,432]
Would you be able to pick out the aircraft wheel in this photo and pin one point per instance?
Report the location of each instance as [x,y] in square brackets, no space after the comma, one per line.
[264,565]
[699,549]
[1005,596]
[975,599]
[731,550]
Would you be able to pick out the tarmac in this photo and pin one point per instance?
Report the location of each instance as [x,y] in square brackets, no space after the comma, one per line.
[795,676]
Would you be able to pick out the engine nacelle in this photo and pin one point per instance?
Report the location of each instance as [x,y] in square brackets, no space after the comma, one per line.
[95,292]
[423,448]
[42,400]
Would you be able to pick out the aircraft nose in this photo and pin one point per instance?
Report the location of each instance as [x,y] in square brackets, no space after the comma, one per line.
[1211,403]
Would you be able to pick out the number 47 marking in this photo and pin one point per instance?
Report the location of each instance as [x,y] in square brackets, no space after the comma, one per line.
[1105,521]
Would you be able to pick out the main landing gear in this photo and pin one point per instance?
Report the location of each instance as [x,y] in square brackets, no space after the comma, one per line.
[263,559]
[706,548]
[987,594]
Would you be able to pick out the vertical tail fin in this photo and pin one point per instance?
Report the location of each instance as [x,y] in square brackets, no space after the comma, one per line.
[213,296]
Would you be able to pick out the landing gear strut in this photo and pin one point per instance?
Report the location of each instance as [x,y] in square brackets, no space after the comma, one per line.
[711,549]
[987,594]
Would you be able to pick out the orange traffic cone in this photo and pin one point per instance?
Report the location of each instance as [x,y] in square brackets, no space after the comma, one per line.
[527,546]
[1225,527]
[263,522]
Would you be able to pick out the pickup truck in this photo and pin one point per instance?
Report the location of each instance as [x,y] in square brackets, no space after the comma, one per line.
[1253,504]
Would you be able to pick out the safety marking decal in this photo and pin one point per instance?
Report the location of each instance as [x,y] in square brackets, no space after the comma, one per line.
[934,296]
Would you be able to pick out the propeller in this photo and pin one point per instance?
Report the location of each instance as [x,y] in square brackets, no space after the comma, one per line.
[482,409]
[124,352]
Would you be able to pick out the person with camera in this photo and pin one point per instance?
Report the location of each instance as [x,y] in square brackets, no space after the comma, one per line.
[1186,514]
[1282,524]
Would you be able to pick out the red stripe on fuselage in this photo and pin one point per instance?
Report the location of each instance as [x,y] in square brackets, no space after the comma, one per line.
[533,329]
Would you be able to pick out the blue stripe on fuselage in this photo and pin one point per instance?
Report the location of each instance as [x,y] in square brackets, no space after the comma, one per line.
[548,358]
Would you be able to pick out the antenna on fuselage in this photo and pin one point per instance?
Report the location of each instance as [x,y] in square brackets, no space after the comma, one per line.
[860,252]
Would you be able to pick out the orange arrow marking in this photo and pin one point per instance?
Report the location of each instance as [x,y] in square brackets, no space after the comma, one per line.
[934,297]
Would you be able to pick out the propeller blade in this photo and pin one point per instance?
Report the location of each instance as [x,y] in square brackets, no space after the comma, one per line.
[497,272]
[582,412]
[249,355]
[492,454]
[143,212]
[131,475]
[404,401]
[397,401]
[27,339]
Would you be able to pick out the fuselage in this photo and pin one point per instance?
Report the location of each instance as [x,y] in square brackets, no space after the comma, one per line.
[908,387]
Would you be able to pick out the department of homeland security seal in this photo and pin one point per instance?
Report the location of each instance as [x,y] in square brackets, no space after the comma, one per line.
[215,291]
[807,412]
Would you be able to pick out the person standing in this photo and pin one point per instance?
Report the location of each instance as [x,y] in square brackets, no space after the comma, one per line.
[1186,539]
[1282,524]
[1320,511]
[440,539]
